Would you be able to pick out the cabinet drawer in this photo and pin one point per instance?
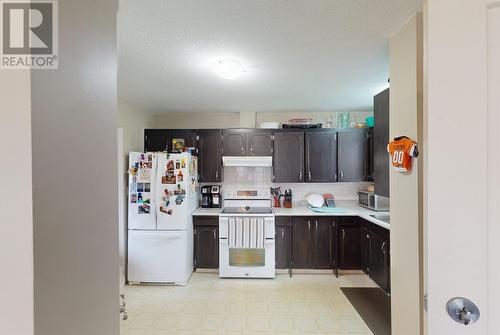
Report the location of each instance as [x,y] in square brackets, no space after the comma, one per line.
[282,221]
[211,221]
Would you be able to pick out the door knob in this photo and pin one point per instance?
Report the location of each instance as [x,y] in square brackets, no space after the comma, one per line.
[462,310]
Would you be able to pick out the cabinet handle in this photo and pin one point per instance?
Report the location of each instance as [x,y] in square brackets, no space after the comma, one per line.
[309,175]
[300,175]
[242,149]
[308,225]
[282,232]
[251,149]
[367,236]
[215,237]
[341,174]
[383,247]
[316,222]
[217,175]
[343,234]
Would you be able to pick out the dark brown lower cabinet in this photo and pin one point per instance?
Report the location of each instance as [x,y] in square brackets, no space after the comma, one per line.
[379,261]
[302,239]
[282,251]
[312,243]
[365,250]
[350,247]
[323,243]
[206,242]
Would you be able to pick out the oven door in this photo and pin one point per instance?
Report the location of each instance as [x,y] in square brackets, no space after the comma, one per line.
[242,254]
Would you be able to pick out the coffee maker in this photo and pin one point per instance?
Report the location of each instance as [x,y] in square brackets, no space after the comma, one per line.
[210,196]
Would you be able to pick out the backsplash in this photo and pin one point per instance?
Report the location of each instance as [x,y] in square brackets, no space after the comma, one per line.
[262,177]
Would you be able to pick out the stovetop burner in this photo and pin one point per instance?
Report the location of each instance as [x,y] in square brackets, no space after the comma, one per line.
[247,210]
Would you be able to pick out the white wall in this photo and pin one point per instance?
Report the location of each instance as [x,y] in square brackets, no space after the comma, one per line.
[74,117]
[16,220]
[174,120]
[132,120]
[405,189]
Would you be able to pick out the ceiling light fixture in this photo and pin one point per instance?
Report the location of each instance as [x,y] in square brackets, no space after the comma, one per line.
[228,69]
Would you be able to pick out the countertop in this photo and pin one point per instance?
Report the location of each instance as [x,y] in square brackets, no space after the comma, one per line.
[351,209]
[207,212]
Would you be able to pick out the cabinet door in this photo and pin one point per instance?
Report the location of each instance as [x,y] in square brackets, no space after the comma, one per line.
[321,156]
[288,157]
[234,143]
[380,141]
[301,243]
[206,247]
[189,137]
[365,250]
[351,146]
[282,247]
[322,244]
[156,140]
[350,248]
[379,261]
[210,161]
[259,143]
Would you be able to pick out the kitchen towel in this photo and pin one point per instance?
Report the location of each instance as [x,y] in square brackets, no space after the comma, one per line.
[246,233]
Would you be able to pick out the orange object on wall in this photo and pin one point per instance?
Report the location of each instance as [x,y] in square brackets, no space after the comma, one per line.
[402,150]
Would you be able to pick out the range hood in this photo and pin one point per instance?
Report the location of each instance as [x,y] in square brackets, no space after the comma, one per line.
[247,160]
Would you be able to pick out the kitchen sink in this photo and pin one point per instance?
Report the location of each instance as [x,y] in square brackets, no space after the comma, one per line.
[386,217]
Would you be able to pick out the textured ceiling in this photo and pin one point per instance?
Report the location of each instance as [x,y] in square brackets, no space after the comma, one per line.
[309,55]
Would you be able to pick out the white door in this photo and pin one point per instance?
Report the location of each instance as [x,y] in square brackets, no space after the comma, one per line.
[172,192]
[462,162]
[141,191]
[157,256]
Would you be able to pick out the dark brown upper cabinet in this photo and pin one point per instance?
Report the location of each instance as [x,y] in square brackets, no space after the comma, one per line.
[260,143]
[352,155]
[321,156]
[380,141]
[288,158]
[156,140]
[234,142]
[247,142]
[190,138]
[210,155]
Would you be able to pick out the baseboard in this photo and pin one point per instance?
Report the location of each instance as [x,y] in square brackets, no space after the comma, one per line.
[297,271]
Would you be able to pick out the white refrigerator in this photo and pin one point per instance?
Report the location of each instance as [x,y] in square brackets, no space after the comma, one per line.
[162,194]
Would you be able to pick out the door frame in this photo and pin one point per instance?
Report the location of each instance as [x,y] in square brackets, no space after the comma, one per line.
[459,238]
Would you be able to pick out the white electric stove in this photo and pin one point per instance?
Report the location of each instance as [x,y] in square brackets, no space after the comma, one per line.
[246,234]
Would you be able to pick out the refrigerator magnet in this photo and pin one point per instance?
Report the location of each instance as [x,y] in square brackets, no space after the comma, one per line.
[170,165]
[133,198]
[183,163]
[170,177]
[166,210]
[179,190]
[179,199]
[144,209]
[177,164]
